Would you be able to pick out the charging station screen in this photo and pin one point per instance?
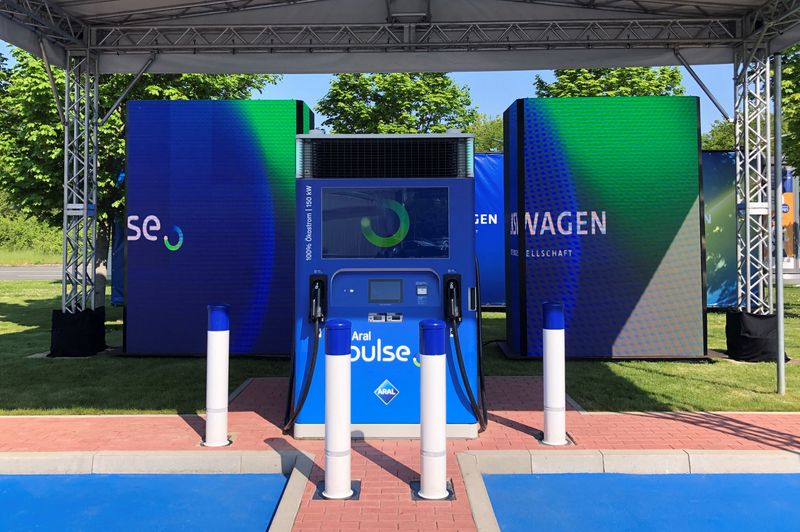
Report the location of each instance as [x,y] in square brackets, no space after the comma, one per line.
[397,223]
[386,291]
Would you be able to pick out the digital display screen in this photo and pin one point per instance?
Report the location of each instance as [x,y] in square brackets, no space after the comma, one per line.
[719,195]
[603,204]
[367,223]
[385,291]
[211,203]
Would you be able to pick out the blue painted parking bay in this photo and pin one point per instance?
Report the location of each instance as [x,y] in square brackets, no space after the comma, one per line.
[139,502]
[597,502]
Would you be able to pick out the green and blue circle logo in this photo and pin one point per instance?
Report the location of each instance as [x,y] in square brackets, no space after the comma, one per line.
[396,237]
[174,247]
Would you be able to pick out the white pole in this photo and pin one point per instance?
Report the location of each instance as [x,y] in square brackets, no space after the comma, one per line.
[337,410]
[433,410]
[778,168]
[217,376]
[555,422]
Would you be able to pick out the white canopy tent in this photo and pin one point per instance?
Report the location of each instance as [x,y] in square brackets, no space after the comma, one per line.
[93,37]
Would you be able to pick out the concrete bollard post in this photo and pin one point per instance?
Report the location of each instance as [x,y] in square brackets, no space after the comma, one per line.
[337,410]
[433,410]
[555,393]
[218,347]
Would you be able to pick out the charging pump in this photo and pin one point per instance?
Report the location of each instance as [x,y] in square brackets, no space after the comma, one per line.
[386,239]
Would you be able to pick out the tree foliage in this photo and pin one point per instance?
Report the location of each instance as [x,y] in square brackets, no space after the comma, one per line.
[790,84]
[720,137]
[31,135]
[396,103]
[488,133]
[633,81]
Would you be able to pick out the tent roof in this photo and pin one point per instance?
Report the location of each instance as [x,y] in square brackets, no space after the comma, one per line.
[294,36]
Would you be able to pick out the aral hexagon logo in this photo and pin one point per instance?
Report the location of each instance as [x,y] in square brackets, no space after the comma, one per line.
[386,392]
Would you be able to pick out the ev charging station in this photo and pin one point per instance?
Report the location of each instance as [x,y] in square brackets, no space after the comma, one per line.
[386,239]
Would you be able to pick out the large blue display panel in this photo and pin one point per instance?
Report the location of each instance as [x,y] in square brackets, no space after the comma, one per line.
[385,247]
[604,215]
[210,219]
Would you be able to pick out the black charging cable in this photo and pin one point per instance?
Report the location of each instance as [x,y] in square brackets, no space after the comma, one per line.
[454,316]
[316,315]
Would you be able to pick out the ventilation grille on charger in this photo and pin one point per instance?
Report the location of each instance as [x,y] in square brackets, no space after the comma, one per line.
[402,156]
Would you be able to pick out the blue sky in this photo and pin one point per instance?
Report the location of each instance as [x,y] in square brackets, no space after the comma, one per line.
[492,92]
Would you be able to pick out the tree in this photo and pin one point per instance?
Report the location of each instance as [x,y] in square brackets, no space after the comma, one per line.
[721,136]
[791,106]
[633,81]
[396,103]
[488,133]
[31,135]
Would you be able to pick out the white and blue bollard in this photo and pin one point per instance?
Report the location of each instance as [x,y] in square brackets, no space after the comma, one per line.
[218,348]
[337,410]
[433,410]
[555,393]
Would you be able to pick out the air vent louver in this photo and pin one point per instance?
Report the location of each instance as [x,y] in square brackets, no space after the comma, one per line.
[384,156]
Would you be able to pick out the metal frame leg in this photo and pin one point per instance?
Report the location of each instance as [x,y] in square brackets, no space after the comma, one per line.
[754,241]
[80,181]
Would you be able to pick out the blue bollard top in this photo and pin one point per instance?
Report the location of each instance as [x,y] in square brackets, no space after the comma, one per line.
[219,318]
[432,335]
[337,337]
[553,315]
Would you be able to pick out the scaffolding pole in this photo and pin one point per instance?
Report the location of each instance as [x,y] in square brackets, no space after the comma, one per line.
[80,181]
[754,238]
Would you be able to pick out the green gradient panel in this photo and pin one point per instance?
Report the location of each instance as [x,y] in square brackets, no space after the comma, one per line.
[220,173]
[633,287]
[273,124]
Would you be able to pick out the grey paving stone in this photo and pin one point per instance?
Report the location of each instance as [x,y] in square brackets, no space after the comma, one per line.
[744,461]
[208,462]
[646,462]
[504,462]
[66,463]
[566,461]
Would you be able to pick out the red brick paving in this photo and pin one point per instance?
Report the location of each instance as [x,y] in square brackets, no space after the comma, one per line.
[385,467]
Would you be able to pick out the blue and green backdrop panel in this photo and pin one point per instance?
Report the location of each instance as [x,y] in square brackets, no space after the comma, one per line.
[489,245]
[719,213]
[210,219]
[603,213]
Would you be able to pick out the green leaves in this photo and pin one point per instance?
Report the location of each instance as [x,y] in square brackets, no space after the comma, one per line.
[720,137]
[488,133]
[633,81]
[396,103]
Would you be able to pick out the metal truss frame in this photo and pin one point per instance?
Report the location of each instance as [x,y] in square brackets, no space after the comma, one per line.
[424,36]
[773,18]
[754,242]
[45,19]
[80,181]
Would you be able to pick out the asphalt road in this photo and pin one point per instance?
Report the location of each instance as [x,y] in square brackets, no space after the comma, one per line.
[30,273]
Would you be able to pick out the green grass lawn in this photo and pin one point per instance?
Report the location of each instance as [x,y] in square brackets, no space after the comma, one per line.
[113,384]
[97,385]
[22,257]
